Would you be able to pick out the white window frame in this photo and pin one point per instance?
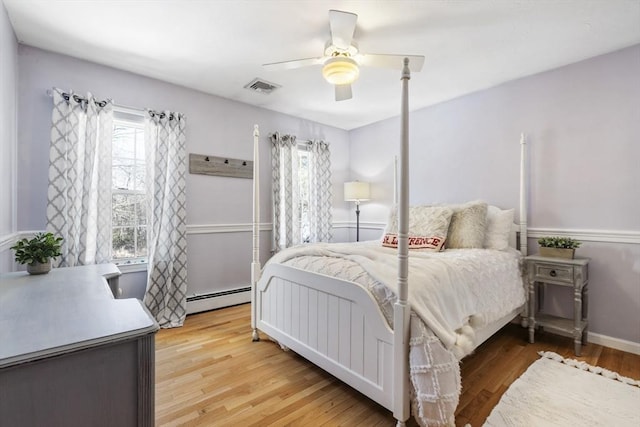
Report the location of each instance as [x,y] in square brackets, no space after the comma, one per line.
[135,119]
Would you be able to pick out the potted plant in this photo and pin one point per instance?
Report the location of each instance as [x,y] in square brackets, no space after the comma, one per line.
[37,252]
[558,247]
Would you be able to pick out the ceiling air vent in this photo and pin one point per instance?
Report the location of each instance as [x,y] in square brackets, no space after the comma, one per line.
[261,86]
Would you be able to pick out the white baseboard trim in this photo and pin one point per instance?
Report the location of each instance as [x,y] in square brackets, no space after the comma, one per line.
[617,343]
[223,299]
[214,302]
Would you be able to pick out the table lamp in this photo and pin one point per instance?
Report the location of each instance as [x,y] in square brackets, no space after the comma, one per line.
[356,191]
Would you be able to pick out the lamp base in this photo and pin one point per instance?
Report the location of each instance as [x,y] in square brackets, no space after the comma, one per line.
[357,222]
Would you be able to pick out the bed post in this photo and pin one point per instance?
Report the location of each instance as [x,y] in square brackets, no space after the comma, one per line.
[401,309]
[255,264]
[523,195]
[395,181]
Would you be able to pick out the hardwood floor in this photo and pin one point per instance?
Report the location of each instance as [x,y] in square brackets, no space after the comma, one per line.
[209,373]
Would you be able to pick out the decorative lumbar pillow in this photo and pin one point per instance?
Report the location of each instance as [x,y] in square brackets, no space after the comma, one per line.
[468,226]
[499,224]
[428,227]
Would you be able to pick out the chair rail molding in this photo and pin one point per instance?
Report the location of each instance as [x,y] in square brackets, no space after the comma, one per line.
[8,240]
[226,228]
[342,224]
[267,226]
[586,235]
[363,225]
[589,235]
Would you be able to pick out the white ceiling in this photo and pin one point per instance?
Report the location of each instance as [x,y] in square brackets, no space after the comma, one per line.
[218,46]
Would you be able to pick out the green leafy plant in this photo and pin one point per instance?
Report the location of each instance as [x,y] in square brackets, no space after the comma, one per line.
[39,249]
[559,242]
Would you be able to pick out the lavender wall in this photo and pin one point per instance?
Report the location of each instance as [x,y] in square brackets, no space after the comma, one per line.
[8,125]
[582,123]
[216,126]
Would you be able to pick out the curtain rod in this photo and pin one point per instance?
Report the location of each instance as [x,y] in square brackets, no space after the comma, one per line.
[303,141]
[122,108]
[80,98]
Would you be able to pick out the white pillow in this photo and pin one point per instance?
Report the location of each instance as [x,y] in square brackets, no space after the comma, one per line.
[468,226]
[428,226]
[498,228]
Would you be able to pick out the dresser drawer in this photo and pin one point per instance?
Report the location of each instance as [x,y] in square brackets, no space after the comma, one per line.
[554,273]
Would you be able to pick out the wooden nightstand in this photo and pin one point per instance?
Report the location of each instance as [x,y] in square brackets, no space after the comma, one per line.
[544,271]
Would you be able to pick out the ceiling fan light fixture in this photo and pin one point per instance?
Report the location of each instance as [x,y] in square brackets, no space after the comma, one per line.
[340,70]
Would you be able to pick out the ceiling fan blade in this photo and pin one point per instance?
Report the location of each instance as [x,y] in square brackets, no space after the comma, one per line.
[296,63]
[390,61]
[343,25]
[343,92]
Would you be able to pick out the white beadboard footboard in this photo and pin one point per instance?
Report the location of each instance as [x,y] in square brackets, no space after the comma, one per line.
[335,324]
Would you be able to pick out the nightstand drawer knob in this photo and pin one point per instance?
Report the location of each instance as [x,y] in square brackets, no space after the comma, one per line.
[552,273]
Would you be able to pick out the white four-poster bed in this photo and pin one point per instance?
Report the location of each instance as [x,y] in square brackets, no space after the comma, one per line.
[338,324]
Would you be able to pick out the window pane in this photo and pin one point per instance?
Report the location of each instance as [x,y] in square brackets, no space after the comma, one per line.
[123,141]
[139,176]
[141,210]
[123,242]
[140,144]
[303,188]
[128,182]
[123,207]
[142,241]
[123,174]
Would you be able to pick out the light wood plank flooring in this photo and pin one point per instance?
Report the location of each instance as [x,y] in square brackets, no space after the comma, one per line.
[209,373]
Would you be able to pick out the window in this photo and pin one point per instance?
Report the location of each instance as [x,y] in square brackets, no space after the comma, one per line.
[129,230]
[304,190]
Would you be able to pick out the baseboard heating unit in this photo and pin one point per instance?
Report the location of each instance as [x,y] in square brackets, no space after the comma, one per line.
[212,300]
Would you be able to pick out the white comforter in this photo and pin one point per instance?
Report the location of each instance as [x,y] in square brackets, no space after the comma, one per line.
[452,293]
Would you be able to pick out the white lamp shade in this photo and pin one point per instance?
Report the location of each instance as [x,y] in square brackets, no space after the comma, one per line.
[356,191]
[340,70]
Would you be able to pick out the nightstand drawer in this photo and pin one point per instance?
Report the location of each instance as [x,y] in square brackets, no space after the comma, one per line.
[553,273]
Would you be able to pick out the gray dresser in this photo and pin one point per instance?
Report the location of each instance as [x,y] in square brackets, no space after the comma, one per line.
[73,355]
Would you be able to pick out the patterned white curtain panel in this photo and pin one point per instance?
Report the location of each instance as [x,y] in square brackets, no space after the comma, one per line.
[165,148]
[286,193]
[320,192]
[79,193]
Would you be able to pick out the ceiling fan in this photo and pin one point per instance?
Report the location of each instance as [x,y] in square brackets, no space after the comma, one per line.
[341,60]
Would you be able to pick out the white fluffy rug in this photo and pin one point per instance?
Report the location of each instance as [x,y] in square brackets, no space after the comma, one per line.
[566,393]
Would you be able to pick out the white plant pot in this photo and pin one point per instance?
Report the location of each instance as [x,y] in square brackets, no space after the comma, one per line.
[39,268]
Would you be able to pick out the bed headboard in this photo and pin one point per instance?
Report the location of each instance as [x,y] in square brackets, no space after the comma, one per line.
[515,239]
[518,234]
